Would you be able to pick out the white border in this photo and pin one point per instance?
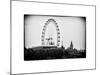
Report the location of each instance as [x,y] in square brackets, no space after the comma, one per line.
[21,8]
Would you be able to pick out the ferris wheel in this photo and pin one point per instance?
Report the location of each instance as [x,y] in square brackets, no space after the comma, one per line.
[44,31]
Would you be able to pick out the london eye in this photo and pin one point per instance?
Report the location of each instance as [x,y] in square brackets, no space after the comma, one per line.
[50,38]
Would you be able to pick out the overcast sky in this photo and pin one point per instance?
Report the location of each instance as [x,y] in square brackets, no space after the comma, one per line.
[71,29]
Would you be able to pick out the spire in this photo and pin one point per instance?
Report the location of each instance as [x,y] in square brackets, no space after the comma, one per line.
[71,45]
[62,42]
[62,45]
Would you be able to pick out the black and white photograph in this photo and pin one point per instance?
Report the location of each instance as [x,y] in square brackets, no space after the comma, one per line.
[54,37]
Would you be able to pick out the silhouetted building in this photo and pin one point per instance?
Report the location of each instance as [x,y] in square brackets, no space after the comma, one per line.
[62,46]
[71,45]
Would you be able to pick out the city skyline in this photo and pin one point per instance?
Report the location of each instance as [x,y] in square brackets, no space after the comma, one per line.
[71,29]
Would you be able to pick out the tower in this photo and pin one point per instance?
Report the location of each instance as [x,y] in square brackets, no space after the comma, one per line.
[71,45]
[62,46]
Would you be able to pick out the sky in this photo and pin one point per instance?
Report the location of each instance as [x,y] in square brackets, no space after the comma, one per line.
[71,29]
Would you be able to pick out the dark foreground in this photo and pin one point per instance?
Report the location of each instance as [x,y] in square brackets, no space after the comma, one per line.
[45,53]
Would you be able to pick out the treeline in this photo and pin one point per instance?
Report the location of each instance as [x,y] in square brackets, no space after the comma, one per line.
[52,53]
